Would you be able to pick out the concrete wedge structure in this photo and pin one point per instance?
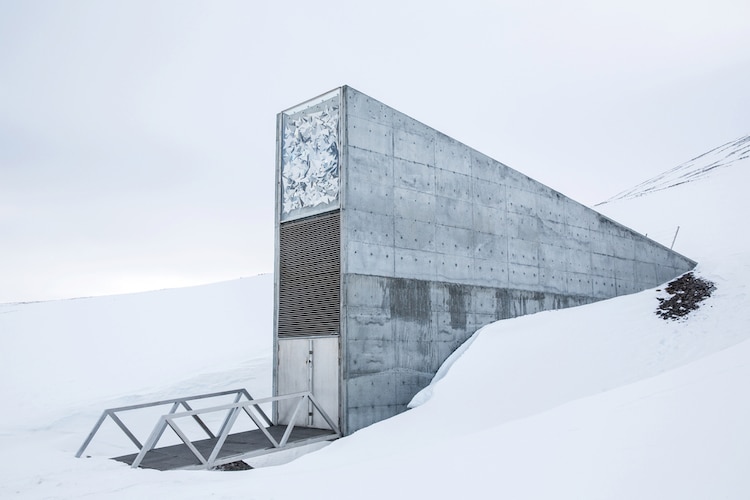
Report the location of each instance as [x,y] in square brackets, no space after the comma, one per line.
[395,243]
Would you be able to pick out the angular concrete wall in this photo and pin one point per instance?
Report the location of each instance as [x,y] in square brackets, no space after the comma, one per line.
[439,240]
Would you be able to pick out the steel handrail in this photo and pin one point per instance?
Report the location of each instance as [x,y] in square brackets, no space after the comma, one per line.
[251,407]
[175,402]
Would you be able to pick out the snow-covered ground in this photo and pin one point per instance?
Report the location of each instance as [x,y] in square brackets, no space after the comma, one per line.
[723,156]
[601,401]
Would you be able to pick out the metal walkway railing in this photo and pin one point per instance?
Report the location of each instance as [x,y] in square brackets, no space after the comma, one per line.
[251,407]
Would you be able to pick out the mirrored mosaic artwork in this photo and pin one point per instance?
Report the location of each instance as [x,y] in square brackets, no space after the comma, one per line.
[310,159]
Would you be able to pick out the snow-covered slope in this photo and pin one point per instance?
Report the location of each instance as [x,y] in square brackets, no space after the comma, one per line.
[697,168]
[706,214]
[60,355]
[601,401]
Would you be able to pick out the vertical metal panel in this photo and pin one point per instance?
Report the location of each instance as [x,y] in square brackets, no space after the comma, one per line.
[325,378]
[277,216]
[292,373]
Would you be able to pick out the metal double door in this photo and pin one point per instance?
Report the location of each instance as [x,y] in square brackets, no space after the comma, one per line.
[308,364]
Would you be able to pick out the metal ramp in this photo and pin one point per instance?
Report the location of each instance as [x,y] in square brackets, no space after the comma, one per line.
[220,447]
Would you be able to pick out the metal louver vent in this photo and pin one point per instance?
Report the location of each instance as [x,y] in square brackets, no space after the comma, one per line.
[309,276]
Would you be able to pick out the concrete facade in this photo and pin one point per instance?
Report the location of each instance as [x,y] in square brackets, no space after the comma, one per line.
[438,240]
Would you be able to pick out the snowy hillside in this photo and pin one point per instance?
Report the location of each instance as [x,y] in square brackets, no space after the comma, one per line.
[601,401]
[697,168]
[58,356]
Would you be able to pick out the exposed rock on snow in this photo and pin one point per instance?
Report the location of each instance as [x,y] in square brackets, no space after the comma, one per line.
[686,294]
[233,466]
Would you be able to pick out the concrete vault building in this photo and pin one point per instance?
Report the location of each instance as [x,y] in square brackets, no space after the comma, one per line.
[395,243]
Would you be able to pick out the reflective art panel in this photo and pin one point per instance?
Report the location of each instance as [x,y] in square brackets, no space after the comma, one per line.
[310,158]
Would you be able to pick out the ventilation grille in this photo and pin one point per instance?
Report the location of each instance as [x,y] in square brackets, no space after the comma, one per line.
[309,276]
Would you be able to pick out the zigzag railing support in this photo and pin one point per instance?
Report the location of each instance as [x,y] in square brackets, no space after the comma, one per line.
[251,407]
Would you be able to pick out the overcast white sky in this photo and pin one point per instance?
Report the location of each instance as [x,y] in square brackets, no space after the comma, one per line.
[137,138]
